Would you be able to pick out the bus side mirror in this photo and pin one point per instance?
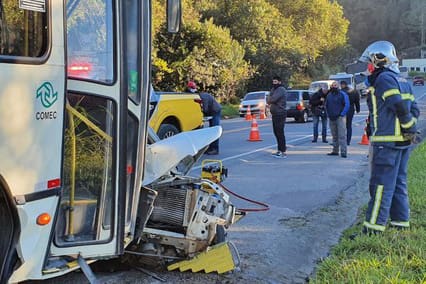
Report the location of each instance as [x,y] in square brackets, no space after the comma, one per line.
[174,13]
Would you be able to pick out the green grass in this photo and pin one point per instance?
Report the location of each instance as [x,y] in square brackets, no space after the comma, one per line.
[229,111]
[393,257]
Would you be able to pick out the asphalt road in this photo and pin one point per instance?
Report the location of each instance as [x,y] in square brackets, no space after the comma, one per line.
[312,198]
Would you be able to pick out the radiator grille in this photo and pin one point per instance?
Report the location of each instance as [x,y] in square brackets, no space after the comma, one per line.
[170,206]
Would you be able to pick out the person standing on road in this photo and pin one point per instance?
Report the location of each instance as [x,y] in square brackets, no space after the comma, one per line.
[393,120]
[277,100]
[211,108]
[353,106]
[337,105]
[318,112]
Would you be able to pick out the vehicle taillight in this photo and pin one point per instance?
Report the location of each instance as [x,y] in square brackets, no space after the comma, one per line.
[299,106]
[79,69]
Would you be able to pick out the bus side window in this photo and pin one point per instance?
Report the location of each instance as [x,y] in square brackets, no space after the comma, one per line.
[22,32]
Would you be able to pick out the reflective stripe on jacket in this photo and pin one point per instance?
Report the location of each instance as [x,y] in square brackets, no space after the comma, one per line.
[388,94]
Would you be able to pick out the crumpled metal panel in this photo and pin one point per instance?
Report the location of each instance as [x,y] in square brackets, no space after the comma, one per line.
[165,155]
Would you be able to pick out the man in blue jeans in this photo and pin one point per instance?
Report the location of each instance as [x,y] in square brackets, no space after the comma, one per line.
[318,112]
[337,105]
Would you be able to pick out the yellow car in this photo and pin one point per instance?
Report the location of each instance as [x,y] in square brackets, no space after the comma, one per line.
[173,112]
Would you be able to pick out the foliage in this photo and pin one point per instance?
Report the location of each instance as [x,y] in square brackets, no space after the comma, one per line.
[398,21]
[268,38]
[392,257]
[92,151]
[299,80]
[331,62]
[202,52]
[416,73]
[231,47]
[230,111]
[319,24]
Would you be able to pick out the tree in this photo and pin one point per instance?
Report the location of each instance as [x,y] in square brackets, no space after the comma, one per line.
[398,21]
[320,24]
[203,52]
[269,41]
[231,46]
[280,37]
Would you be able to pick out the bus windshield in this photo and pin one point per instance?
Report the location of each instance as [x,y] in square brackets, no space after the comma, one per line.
[90,51]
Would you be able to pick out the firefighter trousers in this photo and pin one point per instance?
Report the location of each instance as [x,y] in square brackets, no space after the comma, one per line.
[388,189]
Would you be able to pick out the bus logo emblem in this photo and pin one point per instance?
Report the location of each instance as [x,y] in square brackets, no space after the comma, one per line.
[47,95]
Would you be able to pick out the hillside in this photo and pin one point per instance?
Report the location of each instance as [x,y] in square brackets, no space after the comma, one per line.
[398,21]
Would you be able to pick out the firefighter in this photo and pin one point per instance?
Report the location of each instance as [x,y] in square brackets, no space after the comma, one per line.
[393,118]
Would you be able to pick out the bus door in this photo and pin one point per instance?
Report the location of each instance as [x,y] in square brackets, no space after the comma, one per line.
[105,119]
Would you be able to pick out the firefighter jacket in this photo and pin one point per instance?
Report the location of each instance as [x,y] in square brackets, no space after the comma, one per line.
[393,110]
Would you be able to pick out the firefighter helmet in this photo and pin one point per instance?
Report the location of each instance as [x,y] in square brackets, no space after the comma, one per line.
[381,54]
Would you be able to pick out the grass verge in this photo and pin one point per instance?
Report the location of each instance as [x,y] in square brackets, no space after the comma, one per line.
[393,257]
[230,111]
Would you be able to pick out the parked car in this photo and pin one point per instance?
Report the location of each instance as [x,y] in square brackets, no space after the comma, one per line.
[298,105]
[418,81]
[256,101]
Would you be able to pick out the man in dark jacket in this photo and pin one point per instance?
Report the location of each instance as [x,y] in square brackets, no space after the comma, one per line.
[337,105]
[277,100]
[318,111]
[211,108]
[353,106]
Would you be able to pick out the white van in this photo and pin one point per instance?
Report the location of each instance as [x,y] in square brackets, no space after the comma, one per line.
[349,78]
[316,85]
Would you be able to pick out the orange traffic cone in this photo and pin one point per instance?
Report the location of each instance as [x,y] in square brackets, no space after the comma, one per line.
[364,140]
[248,114]
[254,132]
[262,114]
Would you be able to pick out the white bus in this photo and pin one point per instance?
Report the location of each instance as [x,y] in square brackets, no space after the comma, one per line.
[78,181]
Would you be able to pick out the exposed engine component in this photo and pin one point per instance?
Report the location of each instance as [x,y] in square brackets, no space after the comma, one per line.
[186,215]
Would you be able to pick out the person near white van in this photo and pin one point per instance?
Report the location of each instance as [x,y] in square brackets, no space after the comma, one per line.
[353,106]
[318,112]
